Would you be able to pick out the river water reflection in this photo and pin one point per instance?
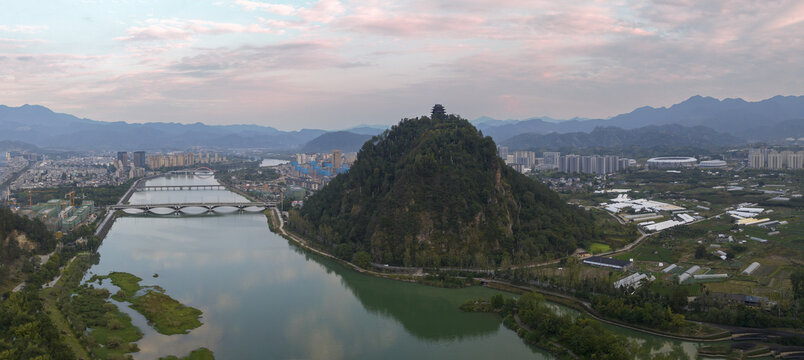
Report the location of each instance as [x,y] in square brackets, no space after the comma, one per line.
[264,298]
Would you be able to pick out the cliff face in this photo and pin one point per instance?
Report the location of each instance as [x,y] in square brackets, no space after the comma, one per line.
[434,193]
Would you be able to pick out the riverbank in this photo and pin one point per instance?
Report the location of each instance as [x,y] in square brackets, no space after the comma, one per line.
[275,217]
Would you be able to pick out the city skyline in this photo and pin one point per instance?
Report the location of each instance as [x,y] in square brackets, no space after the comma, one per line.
[331,64]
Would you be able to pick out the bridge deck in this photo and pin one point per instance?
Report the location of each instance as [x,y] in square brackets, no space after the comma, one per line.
[178,206]
[181,187]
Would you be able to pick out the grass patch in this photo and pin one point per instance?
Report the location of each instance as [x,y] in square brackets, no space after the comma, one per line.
[732,286]
[650,252]
[200,354]
[111,333]
[597,248]
[129,284]
[614,233]
[167,315]
[118,337]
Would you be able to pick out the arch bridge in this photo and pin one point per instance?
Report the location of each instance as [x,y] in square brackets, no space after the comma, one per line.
[208,207]
[197,171]
[180,187]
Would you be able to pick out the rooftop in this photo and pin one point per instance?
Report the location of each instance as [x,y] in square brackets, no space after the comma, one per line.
[607,261]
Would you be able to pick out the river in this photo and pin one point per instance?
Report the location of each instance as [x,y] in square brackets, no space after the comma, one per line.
[265,298]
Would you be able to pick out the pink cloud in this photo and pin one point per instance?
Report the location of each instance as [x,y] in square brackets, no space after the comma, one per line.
[297,55]
[10,43]
[180,29]
[380,21]
[156,32]
[323,11]
[24,29]
[279,9]
[509,56]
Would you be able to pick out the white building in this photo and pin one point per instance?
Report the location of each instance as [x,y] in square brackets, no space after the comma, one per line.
[751,268]
[671,162]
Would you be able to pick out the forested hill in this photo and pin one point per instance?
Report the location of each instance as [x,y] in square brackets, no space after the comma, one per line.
[20,235]
[434,193]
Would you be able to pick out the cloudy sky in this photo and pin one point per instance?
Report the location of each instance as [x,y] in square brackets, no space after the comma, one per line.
[337,63]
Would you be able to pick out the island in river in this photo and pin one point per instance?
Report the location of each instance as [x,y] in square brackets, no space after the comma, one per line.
[164,313]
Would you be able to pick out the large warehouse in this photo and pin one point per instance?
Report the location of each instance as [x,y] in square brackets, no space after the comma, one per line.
[671,162]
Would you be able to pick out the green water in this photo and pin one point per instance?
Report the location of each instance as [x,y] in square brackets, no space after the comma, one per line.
[264,298]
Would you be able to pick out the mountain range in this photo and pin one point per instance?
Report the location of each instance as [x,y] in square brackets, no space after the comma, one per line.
[726,121]
[775,118]
[613,137]
[345,141]
[40,126]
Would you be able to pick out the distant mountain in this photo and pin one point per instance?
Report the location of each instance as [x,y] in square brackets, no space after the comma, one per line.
[40,126]
[734,116]
[368,129]
[772,119]
[339,140]
[485,122]
[10,145]
[769,119]
[611,137]
[433,192]
[503,132]
[784,129]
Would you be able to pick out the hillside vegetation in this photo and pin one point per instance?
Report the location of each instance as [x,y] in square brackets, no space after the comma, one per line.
[20,238]
[433,192]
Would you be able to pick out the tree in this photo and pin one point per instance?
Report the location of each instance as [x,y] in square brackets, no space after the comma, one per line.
[362,259]
[497,301]
[700,252]
[678,299]
[797,278]
[573,270]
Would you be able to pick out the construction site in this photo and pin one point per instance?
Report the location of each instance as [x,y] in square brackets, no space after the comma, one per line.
[60,215]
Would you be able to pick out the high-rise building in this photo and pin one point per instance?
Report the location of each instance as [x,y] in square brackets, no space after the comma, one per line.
[122,157]
[570,163]
[775,160]
[756,158]
[594,164]
[502,151]
[139,159]
[795,160]
[525,158]
[336,160]
[551,159]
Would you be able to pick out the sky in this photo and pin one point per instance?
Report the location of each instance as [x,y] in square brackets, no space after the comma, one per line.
[333,64]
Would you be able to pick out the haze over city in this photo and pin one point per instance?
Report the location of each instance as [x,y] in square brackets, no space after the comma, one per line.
[332,64]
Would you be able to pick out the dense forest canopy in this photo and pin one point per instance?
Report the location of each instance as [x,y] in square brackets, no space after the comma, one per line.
[433,192]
